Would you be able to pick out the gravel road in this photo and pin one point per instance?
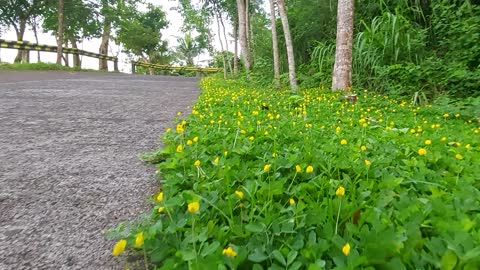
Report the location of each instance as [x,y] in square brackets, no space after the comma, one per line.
[68,161]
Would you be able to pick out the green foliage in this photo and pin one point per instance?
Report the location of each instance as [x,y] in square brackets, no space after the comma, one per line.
[253,179]
[37,66]
[188,48]
[411,48]
[80,19]
[197,21]
[15,12]
[140,33]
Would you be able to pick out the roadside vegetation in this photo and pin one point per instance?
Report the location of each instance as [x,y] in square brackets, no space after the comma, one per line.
[38,66]
[274,170]
[256,178]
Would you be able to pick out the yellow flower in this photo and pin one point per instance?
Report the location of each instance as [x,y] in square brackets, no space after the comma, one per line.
[445,115]
[291,201]
[368,162]
[340,191]
[139,239]
[266,168]
[197,163]
[298,169]
[195,139]
[363,148]
[160,209]
[119,247]
[168,130]
[160,196]
[428,142]
[179,128]
[422,151]
[179,113]
[193,207]
[216,160]
[239,194]
[251,138]
[337,130]
[343,142]
[444,139]
[179,148]
[189,142]
[458,156]
[346,249]
[229,252]
[309,169]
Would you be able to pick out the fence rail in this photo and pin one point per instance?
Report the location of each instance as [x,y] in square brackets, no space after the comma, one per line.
[176,68]
[25,45]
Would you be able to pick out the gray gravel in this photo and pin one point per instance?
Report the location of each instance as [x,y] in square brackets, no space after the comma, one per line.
[68,161]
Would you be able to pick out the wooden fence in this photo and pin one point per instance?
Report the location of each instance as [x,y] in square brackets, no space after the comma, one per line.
[25,45]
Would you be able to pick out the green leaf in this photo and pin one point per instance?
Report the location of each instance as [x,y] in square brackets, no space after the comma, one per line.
[256,227]
[449,260]
[188,255]
[257,267]
[291,256]
[295,266]
[257,257]
[209,249]
[279,257]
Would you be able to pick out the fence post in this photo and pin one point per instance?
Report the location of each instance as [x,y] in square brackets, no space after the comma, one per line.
[133,67]
[115,65]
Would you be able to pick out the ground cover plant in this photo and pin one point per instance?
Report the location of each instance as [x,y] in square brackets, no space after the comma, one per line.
[263,179]
[38,66]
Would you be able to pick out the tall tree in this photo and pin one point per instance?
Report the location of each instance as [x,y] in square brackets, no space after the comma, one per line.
[107,12]
[276,61]
[188,48]
[34,24]
[289,44]
[235,49]
[17,14]
[60,12]
[140,33]
[79,21]
[342,70]
[242,29]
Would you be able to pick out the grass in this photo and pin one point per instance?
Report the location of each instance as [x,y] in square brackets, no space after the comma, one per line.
[38,66]
[263,179]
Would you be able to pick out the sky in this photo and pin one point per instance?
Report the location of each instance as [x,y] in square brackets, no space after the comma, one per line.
[92,45]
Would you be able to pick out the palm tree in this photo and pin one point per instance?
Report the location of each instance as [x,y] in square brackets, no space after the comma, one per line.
[187,49]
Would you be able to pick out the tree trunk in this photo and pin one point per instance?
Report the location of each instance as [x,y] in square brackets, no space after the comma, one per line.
[60,32]
[35,33]
[288,42]
[342,70]
[221,47]
[107,27]
[76,57]
[243,35]
[235,50]
[65,55]
[226,41]
[276,62]
[21,31]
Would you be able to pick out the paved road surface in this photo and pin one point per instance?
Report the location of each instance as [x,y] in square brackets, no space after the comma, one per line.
[68,161]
